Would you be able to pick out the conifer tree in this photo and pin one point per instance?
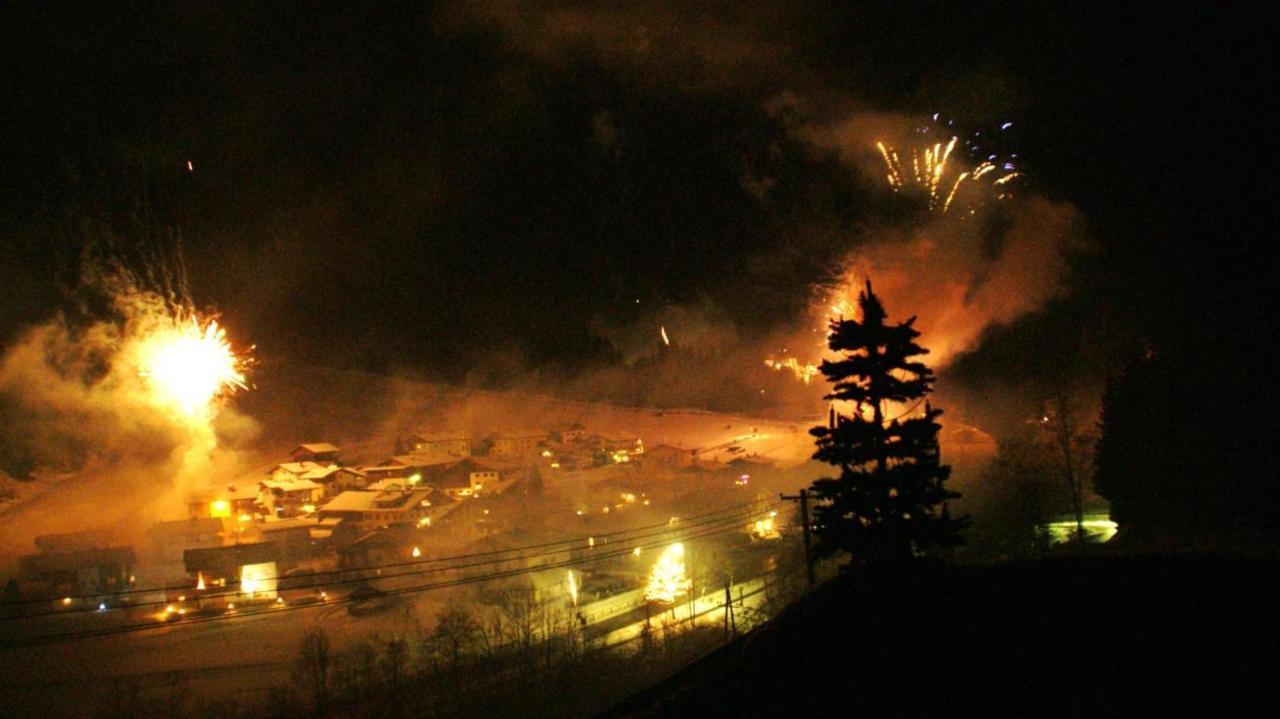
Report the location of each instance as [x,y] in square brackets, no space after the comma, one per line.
[889,501]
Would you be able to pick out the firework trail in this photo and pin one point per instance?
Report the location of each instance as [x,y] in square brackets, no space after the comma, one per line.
[929,170]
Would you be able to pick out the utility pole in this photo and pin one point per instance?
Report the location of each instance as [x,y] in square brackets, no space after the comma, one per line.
[804,518]
[728,607]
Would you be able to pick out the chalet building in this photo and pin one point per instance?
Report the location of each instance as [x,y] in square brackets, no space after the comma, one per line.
[454,444]
[468,477]
[299,470]
[298,538]
[336,480]
[167,540]
[252,568]
[391,469]
[422,462]
[393,545]
[97,570]
[569,434]
[518,443]
[622,447]
[670,456]
[230,502]
[367,510]
[319,452]
[289,498]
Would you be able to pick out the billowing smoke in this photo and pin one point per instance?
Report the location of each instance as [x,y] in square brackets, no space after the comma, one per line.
[87,401]
[998,253]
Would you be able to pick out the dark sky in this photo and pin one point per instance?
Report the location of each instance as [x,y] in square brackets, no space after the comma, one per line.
[410,186]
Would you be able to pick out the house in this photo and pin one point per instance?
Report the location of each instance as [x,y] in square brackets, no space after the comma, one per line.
[367,509]
[253,568]
[622,448]
[230,502]
[422,462]
[97,570]
[517,443]
[468,477]
[394,545]
[321,452]
[168,539]
[569,434]
[452,443]
[297,470]
[299,538]
[289,498]
[335,479]
[391,469]
[670,455]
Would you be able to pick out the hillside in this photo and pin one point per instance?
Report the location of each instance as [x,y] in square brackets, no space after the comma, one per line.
[1073,636]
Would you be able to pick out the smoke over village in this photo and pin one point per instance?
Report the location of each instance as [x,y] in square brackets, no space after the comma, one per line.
[425,360]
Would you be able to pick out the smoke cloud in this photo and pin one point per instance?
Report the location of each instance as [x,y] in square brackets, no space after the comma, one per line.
[74,401]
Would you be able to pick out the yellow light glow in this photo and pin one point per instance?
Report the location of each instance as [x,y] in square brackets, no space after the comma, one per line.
[187,366]
[219,508]
[804,372]
[765,528]
[200,581]
[415,478]
[258,579]
[417,552]
[573,587]
[667,579]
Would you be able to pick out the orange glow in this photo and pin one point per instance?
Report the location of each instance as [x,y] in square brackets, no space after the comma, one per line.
[219,508]
[667,579]
[188,365]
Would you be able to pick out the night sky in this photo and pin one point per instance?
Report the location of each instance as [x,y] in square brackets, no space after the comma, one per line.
[427,187]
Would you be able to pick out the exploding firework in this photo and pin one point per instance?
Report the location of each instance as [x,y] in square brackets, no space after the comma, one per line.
[188,365]
[667,580]
[929,170]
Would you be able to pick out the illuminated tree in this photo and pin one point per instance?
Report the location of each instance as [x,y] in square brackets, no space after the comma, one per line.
[889,501]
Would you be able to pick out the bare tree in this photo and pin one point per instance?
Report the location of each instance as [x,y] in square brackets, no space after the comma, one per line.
[313,665]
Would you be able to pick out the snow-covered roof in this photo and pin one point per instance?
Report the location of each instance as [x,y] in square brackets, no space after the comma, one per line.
[299,468]
[355,500]
[317,448]
[322,473]
[291,485]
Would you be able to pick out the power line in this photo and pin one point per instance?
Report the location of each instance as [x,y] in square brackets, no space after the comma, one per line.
[729,519]
[276,609]
[416,562]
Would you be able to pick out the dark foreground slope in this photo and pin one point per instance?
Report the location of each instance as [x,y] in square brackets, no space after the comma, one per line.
[1063,636]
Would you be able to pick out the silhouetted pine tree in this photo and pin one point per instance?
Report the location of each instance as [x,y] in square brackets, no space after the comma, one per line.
[889,501]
